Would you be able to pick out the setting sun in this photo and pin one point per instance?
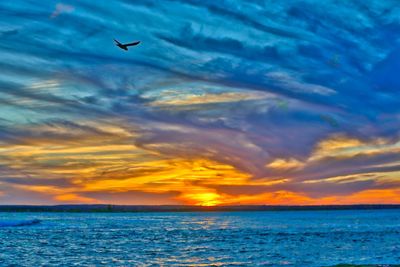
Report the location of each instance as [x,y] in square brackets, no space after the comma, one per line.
[200,198]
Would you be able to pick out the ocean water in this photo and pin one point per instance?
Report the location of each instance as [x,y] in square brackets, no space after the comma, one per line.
[296,238]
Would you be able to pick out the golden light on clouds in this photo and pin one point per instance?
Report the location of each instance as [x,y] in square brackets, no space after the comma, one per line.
[285,164]
[342,146]
[179,98]
[106,161]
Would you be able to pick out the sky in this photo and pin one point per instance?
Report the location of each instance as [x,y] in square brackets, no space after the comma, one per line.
[223,102]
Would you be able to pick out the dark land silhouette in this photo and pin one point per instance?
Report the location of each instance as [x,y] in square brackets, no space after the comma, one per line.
[184,208]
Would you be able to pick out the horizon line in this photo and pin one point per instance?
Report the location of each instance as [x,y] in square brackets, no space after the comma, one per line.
[186,208]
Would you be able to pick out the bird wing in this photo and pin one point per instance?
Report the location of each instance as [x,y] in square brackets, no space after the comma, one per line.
[117,41]
[134,43]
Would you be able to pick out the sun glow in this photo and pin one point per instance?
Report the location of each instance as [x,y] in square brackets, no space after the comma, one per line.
[207,199]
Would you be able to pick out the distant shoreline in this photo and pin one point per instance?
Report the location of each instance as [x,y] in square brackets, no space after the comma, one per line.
[184,208]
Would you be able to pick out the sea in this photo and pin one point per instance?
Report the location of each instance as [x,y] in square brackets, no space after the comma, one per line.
[269,238]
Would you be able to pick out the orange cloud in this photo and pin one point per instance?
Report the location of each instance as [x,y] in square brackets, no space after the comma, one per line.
[103,159]
[74,198]
[383,196]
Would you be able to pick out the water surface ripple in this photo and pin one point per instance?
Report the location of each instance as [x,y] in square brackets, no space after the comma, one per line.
[300,238]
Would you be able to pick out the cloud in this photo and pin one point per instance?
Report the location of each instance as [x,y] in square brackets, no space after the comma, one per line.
[205,99]
[230,102]
[285,164]
[61,8]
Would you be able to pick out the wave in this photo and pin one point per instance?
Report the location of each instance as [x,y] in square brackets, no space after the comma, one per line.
[19,223]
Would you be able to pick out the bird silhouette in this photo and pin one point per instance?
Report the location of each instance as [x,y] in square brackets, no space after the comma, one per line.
[125,46]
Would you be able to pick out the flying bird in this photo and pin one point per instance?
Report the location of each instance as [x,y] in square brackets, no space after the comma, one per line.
[125,46]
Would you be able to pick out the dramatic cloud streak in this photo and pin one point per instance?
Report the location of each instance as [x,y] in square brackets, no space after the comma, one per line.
[222,103]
